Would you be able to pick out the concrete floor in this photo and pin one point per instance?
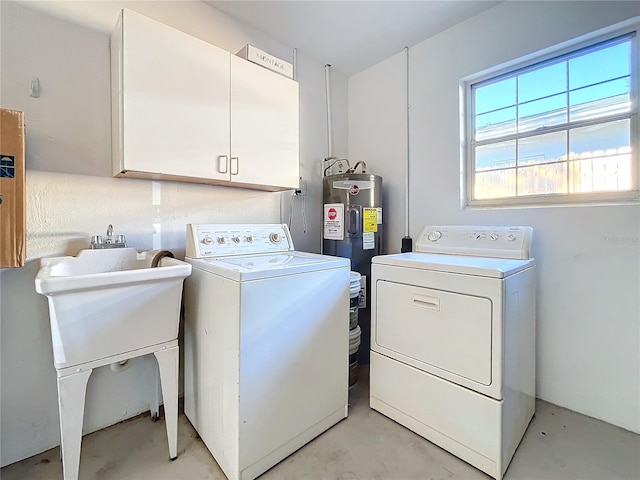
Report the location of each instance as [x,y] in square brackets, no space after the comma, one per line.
[559,444]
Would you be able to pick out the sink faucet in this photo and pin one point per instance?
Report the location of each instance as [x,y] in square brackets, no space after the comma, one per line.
[109,241]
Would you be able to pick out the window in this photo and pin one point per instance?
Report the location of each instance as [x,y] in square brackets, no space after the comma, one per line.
[555,130]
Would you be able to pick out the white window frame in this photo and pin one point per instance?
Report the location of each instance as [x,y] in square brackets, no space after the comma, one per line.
[466,123]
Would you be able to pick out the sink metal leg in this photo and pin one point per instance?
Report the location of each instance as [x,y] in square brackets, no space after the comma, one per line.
[71,395]
[154,387]
[168,364]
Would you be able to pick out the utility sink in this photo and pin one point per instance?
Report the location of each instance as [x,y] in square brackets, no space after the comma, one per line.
[106,306]
[108,302]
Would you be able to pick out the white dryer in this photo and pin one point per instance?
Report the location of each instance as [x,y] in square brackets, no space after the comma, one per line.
[266,344]
[453,340]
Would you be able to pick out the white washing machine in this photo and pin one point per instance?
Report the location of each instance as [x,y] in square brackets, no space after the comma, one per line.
[453,340]
[266,344]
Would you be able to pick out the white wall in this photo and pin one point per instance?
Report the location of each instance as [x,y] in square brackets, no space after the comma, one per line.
[588,330]
[71,195]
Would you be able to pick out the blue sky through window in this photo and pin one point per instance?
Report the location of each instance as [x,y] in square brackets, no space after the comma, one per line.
[592,76]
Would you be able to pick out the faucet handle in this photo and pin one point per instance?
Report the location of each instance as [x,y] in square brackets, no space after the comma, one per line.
[97,242]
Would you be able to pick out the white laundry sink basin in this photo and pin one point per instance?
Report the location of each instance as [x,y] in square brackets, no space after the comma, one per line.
[109,302]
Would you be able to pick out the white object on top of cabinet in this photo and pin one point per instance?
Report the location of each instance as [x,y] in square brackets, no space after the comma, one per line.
[186,110]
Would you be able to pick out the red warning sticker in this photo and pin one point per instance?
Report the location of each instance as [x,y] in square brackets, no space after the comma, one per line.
[333,221]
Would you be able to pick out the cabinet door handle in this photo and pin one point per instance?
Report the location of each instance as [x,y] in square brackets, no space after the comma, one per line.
[223,164]
[237,164]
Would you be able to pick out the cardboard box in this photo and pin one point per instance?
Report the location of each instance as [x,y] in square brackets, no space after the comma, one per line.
[255,55]
[13,214]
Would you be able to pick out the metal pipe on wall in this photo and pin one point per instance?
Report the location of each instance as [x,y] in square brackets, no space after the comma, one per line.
[407,243]
[295,64]
[327,80]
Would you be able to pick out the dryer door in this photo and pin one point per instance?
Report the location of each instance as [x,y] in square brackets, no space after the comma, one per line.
[435,328]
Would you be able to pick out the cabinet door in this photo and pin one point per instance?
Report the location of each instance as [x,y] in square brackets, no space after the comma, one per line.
[264,126]
[175,102]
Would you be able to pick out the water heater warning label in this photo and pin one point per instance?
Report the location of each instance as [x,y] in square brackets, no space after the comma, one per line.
[368,241]
[370,220]
[334,221]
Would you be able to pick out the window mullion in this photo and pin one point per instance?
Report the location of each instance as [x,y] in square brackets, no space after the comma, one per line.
[555,128]
[517,129]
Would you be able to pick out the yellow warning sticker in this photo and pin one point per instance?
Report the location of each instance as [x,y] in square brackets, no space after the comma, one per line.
[369,219]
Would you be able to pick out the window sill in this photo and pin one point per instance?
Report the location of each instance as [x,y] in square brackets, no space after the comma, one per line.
[555,201]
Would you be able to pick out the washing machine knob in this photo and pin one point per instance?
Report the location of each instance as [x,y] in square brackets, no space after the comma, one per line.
[236,239]
[274,237]
[207,240]
[494,236]
[249,238]
[511,237]
[222,240]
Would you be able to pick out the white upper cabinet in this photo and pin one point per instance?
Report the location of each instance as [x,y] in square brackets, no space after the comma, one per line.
[264,126]
[173,96]
[186,110]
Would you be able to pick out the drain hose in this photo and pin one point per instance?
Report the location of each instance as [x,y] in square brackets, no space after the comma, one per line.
[160,254]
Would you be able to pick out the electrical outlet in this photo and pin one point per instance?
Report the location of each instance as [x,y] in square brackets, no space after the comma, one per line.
[301,191]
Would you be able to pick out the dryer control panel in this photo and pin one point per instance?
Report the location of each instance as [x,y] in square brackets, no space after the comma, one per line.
[220,240]
[481,241]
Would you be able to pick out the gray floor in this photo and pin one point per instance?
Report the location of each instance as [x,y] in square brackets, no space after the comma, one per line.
[559,444]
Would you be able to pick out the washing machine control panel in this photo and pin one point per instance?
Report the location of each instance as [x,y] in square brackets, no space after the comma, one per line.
[219,240]
[483,241]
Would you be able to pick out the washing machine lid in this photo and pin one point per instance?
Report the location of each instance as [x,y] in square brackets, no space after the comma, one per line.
[255,267]
[461,264]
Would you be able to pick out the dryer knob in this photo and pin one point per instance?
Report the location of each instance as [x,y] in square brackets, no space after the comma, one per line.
[434,236]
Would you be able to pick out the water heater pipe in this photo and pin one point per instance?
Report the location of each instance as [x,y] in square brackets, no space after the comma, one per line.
[407,243]
[327,80]
[295,64]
